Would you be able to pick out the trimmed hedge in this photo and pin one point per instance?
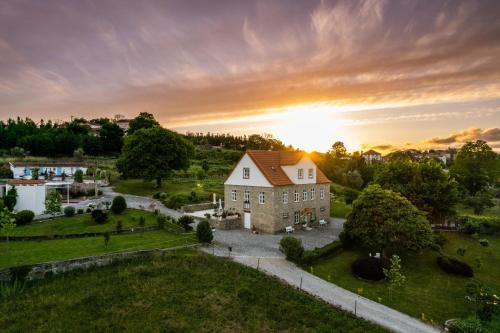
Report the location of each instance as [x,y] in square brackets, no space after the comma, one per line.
[24,217]
[119,204]
[472,224]
[454,266]
[318,253]
[204,232]
[292,248]
[369,268]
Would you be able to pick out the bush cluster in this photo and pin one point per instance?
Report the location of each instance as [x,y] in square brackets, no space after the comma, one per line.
[185,221]
[24,217]
[472,224]
[204,232]
[69,211]
[469,325]
[455,266]
[369,268]
[119,204]
[99,216]
[321,252]
[292,248]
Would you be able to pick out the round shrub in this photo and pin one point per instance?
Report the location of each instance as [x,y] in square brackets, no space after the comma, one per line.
[369,268]
[69,211]
[204,232]
[99,216]
[79,211]
[24,217]
[119,204]
[454,266]
[292,248]
[185,221]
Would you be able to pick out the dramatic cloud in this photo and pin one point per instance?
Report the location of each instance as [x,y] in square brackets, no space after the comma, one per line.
[471,134]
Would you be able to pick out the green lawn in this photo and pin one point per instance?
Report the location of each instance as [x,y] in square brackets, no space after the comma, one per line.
[428,290]
[84,223]
[184,292]
[203,188]
[16,253]
[338,207]
[491,211]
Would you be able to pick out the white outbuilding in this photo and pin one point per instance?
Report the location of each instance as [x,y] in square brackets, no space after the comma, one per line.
[30,194]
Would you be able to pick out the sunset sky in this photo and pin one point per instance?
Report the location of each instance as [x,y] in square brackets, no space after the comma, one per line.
[383,74]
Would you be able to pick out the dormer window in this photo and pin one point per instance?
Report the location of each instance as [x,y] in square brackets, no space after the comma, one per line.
[300,173]
[310,173]
[246,173]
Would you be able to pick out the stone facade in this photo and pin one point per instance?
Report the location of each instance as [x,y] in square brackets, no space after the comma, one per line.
[273,215]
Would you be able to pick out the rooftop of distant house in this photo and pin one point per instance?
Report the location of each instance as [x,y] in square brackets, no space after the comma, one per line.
[25,182]
[49,164]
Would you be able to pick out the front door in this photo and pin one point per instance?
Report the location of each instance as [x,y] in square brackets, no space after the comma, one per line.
[247,223]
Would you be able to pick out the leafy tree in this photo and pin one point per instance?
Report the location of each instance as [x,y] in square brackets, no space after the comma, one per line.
[5,172]
[474,167]
[52,202]
[354,179]
[35,173]
[480,201]
[204,232]
[425,183]
[185,221]
[10,200]
[383,220]
[78,176]
[152,154]
[205,166]
[92,145]
[111,136]
[144,120]
[394,275]
[292,248]
[119,204]
[7,222]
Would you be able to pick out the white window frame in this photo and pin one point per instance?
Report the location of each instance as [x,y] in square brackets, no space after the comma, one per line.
[285,215]
[246,196]
[296,196]
[285,197]
[246,173]
[304,195]
[234,195]
[310,173]
[300,173]
[322,193]
[262,198]
[313,194]
[296,217]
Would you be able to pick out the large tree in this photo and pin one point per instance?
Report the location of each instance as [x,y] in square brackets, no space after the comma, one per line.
[151,154]
[142,121]
[111,136]
[385,221]
[425,183]
[475,167]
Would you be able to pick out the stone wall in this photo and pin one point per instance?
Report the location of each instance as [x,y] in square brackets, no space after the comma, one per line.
[199,206]
[43,270]
[230,223]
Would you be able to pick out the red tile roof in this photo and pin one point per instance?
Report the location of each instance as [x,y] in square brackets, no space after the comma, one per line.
[25,181]
[270,162]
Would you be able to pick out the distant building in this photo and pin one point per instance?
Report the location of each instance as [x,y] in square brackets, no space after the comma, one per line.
[371,155]
[30,194]
[273,190]
[24,170]
[124,124]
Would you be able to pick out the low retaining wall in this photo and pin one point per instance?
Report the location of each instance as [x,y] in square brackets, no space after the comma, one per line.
[197,207]
[43,270]
[226,224]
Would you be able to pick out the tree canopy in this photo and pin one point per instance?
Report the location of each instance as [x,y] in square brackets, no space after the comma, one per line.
[425,183]
[151,154]
[143,121]
[383,220]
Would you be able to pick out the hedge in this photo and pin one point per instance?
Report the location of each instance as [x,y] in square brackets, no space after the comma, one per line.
[472,224]
[292,248]
[455,266]
[311,256]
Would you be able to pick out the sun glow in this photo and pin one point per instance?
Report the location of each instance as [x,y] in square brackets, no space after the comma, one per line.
[313,127]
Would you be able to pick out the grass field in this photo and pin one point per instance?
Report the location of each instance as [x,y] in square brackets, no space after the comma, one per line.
[203,188]
[491,211]
[338,207]
[184,292]
[83,223]
[428,291]
[16,253]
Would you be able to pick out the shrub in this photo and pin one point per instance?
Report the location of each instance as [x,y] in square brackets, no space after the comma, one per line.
[69,211]
[119,204]
[484,242]
[99,216]
[454,266]
[204,232]
[292,248]
[78,175]
[369,268]
[79,211]
[479,224]
[321,252]
[24,217]
[469,325]
[350,195]
[185,222]
[161,220]
[176,201]
[89,210]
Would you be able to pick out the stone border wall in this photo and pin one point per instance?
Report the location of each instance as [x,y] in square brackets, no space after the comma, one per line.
[43,270]
[227,223]
[199,206]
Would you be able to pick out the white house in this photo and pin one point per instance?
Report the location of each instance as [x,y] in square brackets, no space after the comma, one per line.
[24,170]
[30,194]
[371,156]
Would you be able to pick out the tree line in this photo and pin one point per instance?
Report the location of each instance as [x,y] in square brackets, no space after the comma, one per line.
[242,143]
